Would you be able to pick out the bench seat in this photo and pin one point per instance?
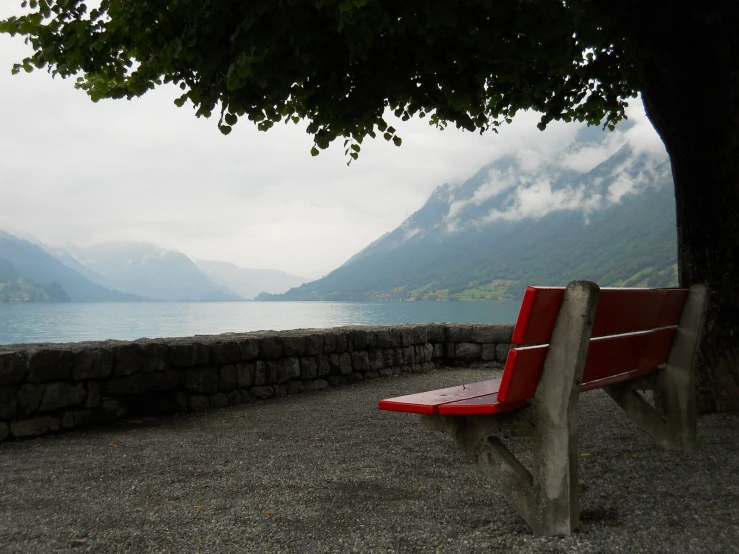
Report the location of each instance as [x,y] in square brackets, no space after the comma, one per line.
[433,402]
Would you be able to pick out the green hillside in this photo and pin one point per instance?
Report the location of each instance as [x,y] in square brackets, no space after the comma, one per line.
[466,245]
[16,288]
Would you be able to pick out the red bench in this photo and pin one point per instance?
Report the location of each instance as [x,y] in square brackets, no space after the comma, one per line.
[579,338]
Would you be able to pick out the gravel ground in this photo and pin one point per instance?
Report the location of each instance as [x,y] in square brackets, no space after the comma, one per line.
[329,472]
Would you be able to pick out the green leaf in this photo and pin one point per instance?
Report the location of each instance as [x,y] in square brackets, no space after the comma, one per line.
[225,129]
[397,141]
[387,136]
[231,119]
[314,151]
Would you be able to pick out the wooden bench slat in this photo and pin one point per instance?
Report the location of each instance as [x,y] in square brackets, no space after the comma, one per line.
[608,357]
[482,405]
[428,402]
[620,310]
[610,360]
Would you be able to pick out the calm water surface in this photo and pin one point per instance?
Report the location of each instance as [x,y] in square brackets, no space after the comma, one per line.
[21,323]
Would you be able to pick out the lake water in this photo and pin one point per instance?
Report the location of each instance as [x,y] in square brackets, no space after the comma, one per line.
[71,322]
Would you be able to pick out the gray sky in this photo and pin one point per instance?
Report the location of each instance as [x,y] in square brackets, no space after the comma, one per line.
[75,171]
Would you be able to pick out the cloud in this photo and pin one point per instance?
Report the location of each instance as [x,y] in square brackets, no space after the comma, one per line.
[75,171]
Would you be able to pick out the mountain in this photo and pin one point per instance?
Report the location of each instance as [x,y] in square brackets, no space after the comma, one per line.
[146,270]
[516,223]
[248,283]
[38,266]
[14,287]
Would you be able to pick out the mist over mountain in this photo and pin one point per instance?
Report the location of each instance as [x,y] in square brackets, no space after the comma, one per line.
[246,282]
[37,266]
[144,269]
[14,287]
[601,209]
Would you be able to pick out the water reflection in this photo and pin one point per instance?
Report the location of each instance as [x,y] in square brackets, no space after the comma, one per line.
[30,322]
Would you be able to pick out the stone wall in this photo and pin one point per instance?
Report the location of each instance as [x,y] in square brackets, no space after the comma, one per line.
[45,388]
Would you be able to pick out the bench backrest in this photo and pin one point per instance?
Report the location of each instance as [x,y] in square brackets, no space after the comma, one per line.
[632,335]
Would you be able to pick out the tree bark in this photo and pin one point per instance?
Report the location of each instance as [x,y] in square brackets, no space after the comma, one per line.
[691,95]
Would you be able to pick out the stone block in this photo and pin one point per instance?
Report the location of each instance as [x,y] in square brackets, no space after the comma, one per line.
[376,360]
[501,352]
[418,334]
[248,348]
[342,342]
[155,356]
[287,368]
[417,368]
[280,391]
[295,387]
[360,361]
[35,427]
[67,420]
[449,351]
[468,351]
[409,355]
[428,366]
[293,345]
[428,352]
[398,356]
[224,352]
[386,372]
[112,409]
[354,378]
[83,417]
[12,367]
[199,402]
[345,363]
[92,363]
[406,337]
[387,338]
[244,396]
[324,366]
[140,383]
[8,404]
[202,380]
[329,342]
[438,350]
[308,368]
[314,344]
[262,392]
[315,384]
[234,398]
[456,332]
[61,395]
[260,373]
[28,398]
[50,364]
[335,363]
[227,378]
[4,431]
[371,375]
[361,339]
[336,380]
[127,359]
[270,347]
[245,373]
[188,354]
[270,371]
[218,400]
[436,332]
[488,352]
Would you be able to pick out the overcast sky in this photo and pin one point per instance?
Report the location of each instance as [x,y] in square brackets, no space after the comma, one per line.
[75,171]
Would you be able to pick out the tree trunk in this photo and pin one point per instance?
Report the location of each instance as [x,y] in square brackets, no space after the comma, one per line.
[691,95]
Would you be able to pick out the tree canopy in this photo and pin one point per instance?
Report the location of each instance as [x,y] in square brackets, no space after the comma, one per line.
[341,64]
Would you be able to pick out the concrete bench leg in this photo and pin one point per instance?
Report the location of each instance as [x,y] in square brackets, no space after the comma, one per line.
[547,497]
[677,429]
